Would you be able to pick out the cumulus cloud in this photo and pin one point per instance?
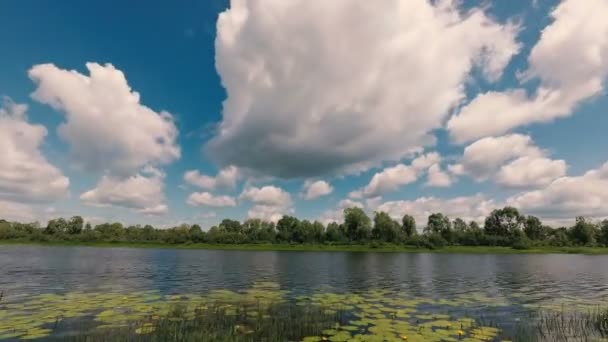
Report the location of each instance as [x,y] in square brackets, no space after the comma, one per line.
[25,174]
[391,178]
[531,171]
[437,177]
[225,178]
[208,199]
[14,211]
[512,160]
[316,189]
[567,197]
[107,127]
[301,105]
[269,202]
[337,215]
[468,208]
[571,62]
[142,192]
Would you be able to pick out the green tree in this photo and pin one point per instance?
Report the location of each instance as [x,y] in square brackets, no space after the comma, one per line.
[196,233]
[503,222]
[287,228]
[439,224]
[56,226]
[357,224]
[604,233]
[148,233]
[408,225]
[534,228]
[583,232]
[75,225]
[459,225]
[335,233]
[474,227]
[385,228]
[231,226]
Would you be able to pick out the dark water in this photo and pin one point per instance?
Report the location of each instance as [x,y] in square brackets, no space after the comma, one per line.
[32,270]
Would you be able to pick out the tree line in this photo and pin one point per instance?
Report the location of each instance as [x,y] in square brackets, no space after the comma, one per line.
[502,227]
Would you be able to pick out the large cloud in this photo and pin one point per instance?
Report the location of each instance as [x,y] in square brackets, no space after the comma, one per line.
[316,189]
[107,127]
[571,62]
[512,160]
[14,211]
[208,199]
[474,208]
[225,178]
[316,87]
[25,174]
[437,177]
[269,202]
[391,178]
[567,197]
[142,192]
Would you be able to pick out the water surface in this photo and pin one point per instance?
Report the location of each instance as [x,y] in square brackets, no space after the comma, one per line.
[503,288]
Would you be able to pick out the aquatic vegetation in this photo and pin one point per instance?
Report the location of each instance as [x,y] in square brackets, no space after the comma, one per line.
[265,311]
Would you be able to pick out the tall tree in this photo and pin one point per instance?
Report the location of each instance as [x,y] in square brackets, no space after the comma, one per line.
[335,233]
[385,228]
[75,225]
[604,233]
[583,232]
[287,227]
[357,224]
[503,222]
[459,225]
[408,225]
[439,224]
[56,226]
[231,226]
[196,233]
[534,228]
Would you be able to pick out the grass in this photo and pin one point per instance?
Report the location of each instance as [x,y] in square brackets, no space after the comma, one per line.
[327,248]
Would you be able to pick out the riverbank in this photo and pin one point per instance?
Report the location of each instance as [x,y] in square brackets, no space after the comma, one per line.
[325,248]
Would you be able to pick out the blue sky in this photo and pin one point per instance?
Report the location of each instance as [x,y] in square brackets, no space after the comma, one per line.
[404,107]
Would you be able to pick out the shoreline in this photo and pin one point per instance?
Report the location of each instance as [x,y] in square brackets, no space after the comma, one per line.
[321,248]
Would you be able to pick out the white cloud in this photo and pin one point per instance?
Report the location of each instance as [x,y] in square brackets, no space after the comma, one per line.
[337,215]
[567,197]
[437,177]
[142,192]
[269,202]
[391,178]
[316,189]
[531,171]
[14,211]
[302,105]
[512,160]
[571,62]
[475,208]
[269,195]
[107,127]
[225,178]
[25,174]
[206,198]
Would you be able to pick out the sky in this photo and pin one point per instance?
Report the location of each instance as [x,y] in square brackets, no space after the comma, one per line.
[194,111]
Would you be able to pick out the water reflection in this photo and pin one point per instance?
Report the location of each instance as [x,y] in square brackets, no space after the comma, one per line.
[29,270]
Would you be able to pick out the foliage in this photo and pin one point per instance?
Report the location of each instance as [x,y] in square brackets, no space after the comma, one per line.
[503,227]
